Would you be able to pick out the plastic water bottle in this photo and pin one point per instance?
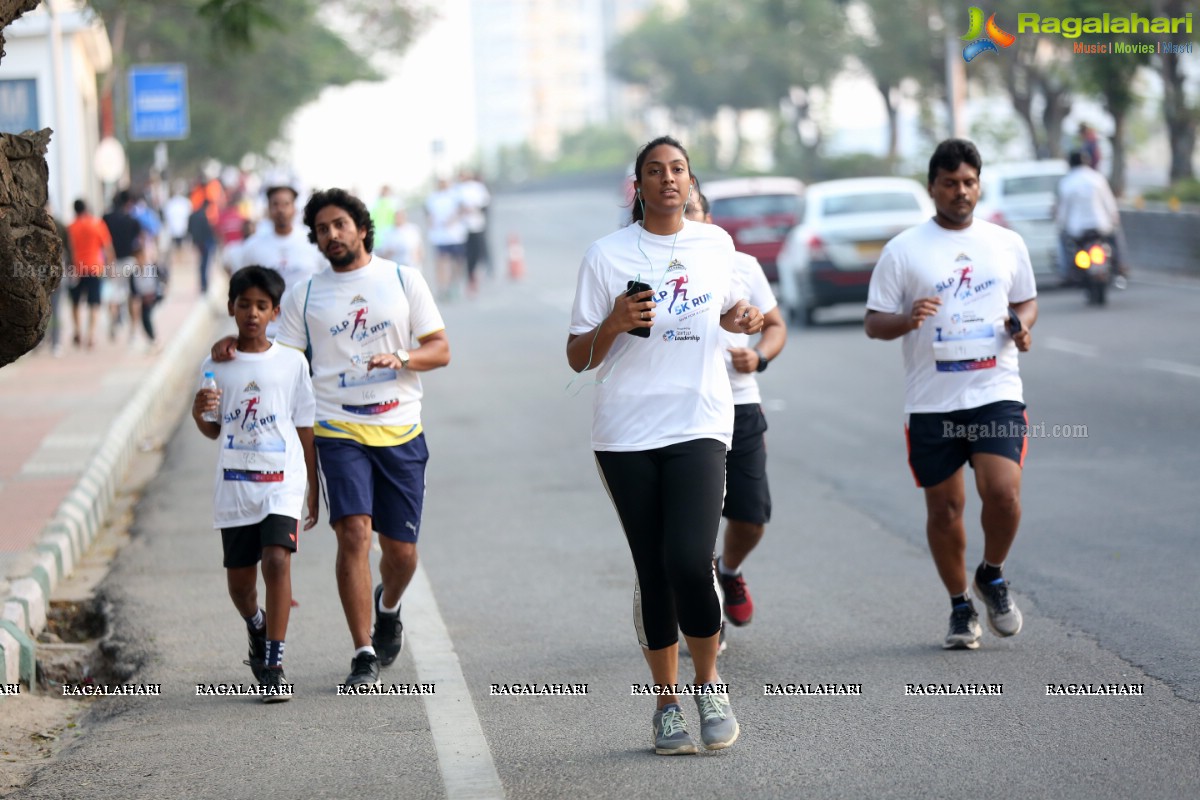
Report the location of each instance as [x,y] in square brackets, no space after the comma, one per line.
[210,382]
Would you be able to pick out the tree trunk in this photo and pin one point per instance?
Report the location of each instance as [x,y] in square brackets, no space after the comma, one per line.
[1058,106]
[30,248]
[739,144]
[893,132]
[1181,120]
[1020,91]
[9,11]
[1117,181]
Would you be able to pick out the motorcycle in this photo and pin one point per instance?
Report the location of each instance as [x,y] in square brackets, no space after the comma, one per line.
[1093,258]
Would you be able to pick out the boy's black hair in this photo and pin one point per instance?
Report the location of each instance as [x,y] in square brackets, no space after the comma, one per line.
[1075,159]
[80,206]
[256,277]
[951,154]
[348,203]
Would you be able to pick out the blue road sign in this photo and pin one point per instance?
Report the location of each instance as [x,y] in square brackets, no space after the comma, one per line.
[158,102]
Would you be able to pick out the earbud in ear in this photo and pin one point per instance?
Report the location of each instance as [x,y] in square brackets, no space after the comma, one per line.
[637,190]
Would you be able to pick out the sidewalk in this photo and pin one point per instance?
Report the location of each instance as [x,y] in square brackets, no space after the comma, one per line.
[70,424]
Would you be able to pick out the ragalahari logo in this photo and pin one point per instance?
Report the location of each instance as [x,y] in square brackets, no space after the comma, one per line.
[994,35]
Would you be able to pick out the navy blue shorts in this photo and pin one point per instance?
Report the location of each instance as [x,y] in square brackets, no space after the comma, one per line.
[939,444]
[385,483]
[747,495]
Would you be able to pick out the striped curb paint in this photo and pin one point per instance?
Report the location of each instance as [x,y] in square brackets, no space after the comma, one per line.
[67,537]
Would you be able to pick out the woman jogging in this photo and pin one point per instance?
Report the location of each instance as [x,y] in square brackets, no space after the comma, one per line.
[663,420]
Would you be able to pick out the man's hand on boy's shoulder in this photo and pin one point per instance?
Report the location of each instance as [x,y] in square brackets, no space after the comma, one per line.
[225,349]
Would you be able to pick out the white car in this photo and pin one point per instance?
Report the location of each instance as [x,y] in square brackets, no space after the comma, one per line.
[1020,196]
[828,257]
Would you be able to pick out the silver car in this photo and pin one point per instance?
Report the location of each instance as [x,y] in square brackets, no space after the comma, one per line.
[828,257]
[1020,196]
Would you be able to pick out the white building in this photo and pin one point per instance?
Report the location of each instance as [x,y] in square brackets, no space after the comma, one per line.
[33,95]
[541,69]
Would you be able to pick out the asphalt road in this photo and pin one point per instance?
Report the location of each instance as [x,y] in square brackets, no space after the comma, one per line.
[532,581]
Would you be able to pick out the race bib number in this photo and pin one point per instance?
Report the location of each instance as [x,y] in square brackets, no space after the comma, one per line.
[965,348]
[257,462]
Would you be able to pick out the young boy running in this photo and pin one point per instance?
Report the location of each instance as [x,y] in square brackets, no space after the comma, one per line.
[265,403]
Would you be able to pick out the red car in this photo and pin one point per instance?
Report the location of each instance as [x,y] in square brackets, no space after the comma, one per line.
[757,213]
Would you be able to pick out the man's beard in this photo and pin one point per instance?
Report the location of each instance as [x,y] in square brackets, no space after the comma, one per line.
[344,260]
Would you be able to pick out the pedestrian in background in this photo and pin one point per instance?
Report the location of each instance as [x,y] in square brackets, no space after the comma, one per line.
[204,239]
[126,234]
[92,248]
[663,421]
[747,507]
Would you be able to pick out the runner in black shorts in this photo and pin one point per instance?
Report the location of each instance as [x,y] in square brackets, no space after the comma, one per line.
[960,294]
[747,495]
[662,422]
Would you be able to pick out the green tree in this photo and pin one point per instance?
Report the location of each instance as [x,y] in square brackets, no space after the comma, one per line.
[1182,117]
[251,63]
[739,56]
[897,46]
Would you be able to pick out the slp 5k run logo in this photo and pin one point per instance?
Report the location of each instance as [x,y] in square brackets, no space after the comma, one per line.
[994,35]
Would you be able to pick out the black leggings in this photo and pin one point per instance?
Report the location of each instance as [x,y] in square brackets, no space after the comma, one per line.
[669,501]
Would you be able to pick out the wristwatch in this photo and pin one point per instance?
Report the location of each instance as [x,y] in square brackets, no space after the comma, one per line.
[403,356]
[762,361]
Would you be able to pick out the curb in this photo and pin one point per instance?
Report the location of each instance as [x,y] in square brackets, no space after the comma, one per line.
[25,601]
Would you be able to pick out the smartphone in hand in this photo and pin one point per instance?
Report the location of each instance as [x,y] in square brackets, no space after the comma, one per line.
[637,287]
[1014,322]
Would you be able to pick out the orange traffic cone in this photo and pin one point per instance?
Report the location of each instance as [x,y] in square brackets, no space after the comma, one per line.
[516,258]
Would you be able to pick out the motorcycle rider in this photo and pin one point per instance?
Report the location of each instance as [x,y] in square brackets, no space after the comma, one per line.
[1086,203]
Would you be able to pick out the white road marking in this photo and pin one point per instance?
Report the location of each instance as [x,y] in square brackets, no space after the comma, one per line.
[1076,348]
[464,759]
[1189,370]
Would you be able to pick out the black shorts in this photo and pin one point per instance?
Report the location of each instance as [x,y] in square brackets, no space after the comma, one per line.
[940,443]
[747,495]
[244,544]
[88,287]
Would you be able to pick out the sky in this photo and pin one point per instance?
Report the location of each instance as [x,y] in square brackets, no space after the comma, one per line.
[368,134]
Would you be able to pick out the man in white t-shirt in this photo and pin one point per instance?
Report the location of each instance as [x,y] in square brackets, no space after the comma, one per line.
[1084,202]
[283,247]
[747,507]
[371,325]
[474,198]
[447,234]
[961,293]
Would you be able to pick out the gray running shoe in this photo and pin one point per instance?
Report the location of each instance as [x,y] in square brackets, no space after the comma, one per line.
[1004,618]
[670,732]
[718,726]
[964,628]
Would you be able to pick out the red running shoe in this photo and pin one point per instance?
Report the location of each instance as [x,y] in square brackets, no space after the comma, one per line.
[739,607]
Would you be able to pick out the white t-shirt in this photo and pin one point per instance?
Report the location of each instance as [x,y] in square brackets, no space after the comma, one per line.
[352,316]
[759,294]
[1085,202]
[963,356]
[265,397]
[176,212]
[293,256]
[446,225]
[401,244]
[473,196]
[671,387]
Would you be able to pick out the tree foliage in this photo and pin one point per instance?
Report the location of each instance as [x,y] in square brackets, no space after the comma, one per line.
[251,63]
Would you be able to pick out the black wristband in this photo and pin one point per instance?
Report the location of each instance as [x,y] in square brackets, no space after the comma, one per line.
[762,361]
